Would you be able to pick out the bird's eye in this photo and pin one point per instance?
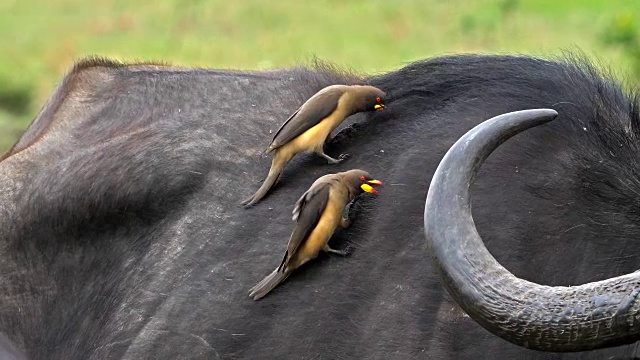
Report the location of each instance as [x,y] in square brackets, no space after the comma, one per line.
[378,99]
[362,178]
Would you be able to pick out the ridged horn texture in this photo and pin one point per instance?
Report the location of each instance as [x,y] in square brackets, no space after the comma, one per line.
[548,318]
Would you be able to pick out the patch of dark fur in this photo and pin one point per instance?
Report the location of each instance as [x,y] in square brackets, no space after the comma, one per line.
[123,180]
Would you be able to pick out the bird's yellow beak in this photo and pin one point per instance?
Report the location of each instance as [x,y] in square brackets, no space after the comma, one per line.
[378,107]
[370,189]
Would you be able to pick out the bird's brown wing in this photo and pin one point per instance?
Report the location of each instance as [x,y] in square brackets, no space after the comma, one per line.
[307,116]
[307,213]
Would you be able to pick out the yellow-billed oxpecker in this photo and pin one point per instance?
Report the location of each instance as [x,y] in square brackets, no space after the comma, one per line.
[317,214]
[307,129]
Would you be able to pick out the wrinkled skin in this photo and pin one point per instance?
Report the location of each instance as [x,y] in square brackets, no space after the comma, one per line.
[122,238]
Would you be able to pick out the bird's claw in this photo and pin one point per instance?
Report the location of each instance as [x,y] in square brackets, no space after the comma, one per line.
[340,159]
[344,252]
[332,160]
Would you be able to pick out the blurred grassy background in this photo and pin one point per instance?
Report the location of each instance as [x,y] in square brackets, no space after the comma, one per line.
[40,39]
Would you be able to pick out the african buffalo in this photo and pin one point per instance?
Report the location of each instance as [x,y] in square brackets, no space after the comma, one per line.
[123,237]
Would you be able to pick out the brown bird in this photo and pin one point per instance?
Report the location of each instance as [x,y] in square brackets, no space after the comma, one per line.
[307,129]
[318,213]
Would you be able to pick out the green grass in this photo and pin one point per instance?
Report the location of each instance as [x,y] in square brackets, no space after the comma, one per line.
[41,39]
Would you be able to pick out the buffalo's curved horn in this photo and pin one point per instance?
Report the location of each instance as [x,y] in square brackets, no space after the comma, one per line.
[549,318]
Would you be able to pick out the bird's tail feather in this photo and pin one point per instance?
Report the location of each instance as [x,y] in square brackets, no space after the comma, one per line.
[277,166]
[266,151]
[268,283]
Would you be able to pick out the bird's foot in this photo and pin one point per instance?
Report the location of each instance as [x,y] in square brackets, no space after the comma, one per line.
[344,252]
[333,161]
[340,159]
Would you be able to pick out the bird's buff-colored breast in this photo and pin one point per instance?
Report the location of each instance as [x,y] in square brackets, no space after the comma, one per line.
[317,134]
[329,221]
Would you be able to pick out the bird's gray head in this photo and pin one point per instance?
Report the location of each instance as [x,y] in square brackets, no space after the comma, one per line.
[367,98]
[359,180]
